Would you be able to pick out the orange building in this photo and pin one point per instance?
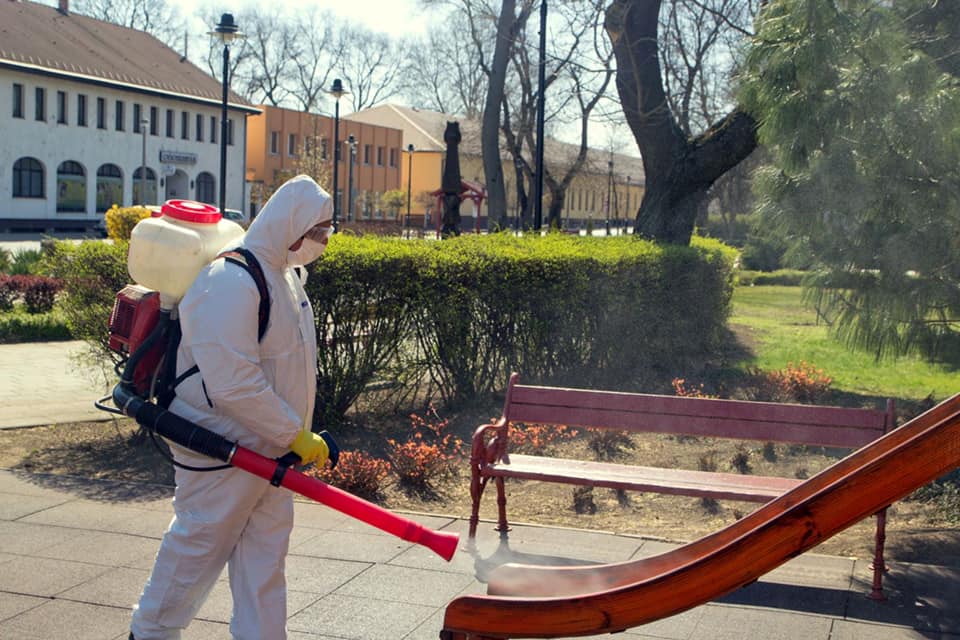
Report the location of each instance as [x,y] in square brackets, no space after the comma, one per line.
[283,142]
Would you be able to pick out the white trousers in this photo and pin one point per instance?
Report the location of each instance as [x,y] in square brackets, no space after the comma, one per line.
[228,517]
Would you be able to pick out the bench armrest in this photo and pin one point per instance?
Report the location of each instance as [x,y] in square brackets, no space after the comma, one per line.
[489,442]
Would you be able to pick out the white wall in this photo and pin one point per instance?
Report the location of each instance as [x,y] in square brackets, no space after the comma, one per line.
[51,143]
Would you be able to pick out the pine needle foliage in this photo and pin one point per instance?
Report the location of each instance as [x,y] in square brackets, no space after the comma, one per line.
[864,130]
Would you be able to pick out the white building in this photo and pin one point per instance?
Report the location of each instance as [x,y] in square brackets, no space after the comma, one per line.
[73,94]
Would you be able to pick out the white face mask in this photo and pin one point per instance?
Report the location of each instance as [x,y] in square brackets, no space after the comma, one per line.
[309,251]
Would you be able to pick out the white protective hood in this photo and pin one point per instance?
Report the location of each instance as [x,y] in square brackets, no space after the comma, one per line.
[259,393]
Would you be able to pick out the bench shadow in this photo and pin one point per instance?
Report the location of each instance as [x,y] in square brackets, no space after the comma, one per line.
[504,554]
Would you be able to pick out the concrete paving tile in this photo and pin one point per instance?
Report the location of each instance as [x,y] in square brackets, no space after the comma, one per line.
[24,483]
[721,622]
[847,630]
[320,575]
[396,584]
[116,588]
[308,513]
[790,597]
[99,547]
[21,538]
[14,506]
[65,619]
[219,605]
[12,604]
[44,576]
[342,616]
[363,547]
[89,514]
[815,570]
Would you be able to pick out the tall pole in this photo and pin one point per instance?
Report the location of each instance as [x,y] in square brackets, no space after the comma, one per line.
[409,185]
[609,186]
[336,90]
[352,148]
[223,129]
[143,162]
[541,80]
[226,31]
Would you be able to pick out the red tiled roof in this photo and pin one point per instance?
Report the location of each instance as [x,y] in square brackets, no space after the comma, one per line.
[38,38]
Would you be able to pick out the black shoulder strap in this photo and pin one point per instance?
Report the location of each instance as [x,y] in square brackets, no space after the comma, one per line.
[244,258]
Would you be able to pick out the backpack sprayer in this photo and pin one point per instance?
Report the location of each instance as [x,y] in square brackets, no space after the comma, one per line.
[167,251]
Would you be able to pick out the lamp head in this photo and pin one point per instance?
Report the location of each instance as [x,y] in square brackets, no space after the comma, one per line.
[410,147]
[227,30]
[336,89]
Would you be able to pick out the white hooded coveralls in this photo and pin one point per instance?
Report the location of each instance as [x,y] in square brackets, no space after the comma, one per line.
[258,393]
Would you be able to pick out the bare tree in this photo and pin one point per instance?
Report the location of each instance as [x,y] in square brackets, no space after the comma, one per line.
[679,169]
[370,65]
[271,46]
[443,75]
[319,52]
[156,17]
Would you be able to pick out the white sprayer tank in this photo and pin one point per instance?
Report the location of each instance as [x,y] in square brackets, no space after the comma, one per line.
[167,251]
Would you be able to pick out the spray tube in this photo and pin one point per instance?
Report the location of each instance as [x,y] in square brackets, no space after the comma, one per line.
[206,442]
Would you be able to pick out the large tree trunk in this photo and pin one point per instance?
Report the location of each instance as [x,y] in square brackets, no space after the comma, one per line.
[678,171]
[490,126]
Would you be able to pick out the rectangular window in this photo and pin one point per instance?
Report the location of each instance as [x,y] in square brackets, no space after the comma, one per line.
[198,127]
[323,148]
[184,125]
[292,144]
[213,129]
[137,118]
[274,142]
[118,115]
[40,104]
[170,123]
[101,113]
[230,133]
[379,156]
[17,100]
[154,121]
[393,157]
[367,153]
[81,110]
[62,107]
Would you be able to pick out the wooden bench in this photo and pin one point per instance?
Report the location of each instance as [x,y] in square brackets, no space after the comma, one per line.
[644,413]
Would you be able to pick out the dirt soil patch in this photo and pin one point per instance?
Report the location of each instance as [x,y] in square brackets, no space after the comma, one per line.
[916,531]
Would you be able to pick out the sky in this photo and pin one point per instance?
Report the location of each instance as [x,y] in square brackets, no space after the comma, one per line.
[394,17]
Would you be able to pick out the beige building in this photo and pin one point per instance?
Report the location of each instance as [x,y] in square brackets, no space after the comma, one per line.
[613,178]
[283,142]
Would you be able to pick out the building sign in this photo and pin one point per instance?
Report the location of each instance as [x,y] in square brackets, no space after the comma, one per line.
[178,157]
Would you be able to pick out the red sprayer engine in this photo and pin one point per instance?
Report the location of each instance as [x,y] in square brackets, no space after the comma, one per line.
[136,312]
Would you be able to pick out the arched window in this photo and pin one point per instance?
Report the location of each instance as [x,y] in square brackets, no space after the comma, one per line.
[27,178]
[109,186]
[148,188]
[206,188]
[71,187]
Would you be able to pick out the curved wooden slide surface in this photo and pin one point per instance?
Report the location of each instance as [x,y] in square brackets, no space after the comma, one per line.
[578,601]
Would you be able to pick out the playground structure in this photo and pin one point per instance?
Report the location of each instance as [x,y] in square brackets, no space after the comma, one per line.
[541,602]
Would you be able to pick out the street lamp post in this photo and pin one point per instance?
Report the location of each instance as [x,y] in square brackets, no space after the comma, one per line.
[143,161]
[609,186]
[352,144]
[336,90]
[541,83]
[226,31]
[409,186]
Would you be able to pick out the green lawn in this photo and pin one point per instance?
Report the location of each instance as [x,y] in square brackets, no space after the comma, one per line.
[782,330]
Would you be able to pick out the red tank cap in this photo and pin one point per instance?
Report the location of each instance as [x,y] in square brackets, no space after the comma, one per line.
[191,211]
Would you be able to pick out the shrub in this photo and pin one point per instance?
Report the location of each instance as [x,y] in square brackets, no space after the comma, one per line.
[26,262]
[430,455]
[5,260]
[608,444]
[356,473]
[19,326]
[39,292]
[680,388]
[9,290]
[803,383]
[537,439]
[121,220]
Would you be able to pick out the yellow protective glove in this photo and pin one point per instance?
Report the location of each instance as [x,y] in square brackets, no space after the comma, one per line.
[316,448]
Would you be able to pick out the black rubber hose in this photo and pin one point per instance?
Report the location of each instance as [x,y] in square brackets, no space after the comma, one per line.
[173,427]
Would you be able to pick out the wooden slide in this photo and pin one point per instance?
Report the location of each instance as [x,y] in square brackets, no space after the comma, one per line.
[542,602]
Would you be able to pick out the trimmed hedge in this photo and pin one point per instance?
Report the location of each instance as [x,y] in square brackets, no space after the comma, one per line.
[459,315]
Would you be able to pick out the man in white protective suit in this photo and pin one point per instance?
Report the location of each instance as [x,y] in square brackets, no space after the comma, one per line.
[260,394]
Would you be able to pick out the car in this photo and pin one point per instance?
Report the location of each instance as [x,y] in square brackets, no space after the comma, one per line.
[235,216]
